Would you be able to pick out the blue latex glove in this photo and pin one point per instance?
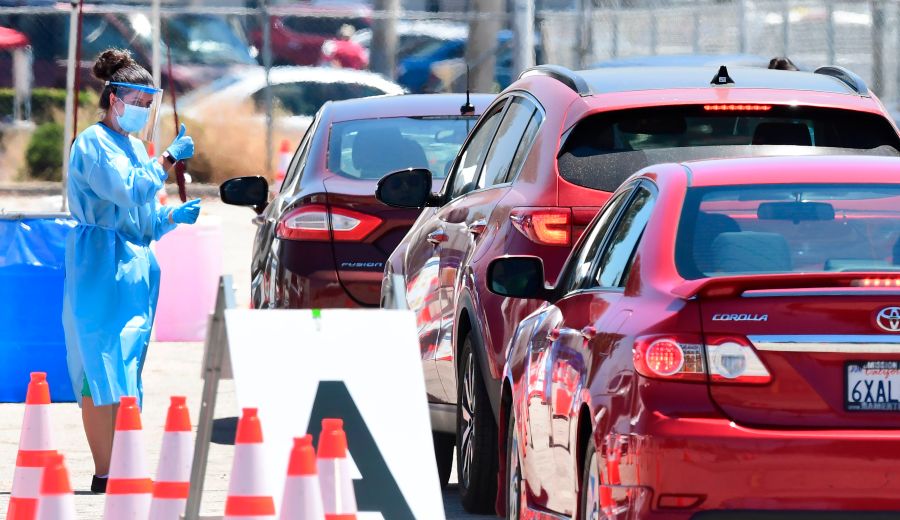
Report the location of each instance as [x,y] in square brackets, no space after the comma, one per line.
[187,213]
[182,147]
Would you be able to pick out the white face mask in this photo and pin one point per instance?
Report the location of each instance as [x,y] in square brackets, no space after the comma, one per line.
[132,118]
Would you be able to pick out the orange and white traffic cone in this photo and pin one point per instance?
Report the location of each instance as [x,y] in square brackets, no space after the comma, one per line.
[57,499]
[302,499]
[129,486]
[35,450]
[284,160]
[338,497]
[249,495]
[170,490]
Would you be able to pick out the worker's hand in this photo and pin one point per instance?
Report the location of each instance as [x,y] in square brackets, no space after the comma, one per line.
[182,147]
[187,213]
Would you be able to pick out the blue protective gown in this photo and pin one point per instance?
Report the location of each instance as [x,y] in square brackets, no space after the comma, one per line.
[112,278]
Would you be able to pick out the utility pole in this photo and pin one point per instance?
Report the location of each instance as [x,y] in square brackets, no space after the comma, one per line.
[878,15]
[523,39]
[481,50]
[383,58]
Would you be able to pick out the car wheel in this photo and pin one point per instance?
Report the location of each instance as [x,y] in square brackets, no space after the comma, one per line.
[513,471]
[476,436]
[443,454]
[589,495]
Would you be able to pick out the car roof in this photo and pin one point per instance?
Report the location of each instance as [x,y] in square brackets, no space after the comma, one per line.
[832,169]
[405,105]
[629,79]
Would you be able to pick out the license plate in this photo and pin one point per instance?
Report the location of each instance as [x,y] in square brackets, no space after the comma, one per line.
[872,386]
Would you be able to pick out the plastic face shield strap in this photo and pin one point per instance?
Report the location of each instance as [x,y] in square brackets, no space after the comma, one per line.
[144,96]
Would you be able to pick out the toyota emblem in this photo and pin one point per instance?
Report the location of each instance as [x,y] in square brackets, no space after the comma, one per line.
[889,319]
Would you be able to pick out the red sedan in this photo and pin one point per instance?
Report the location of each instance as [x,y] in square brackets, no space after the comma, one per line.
[723,342]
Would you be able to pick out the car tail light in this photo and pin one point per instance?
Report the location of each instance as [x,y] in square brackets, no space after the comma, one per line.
[734,360]
[876,282]
[670,357]
[316,223]
[737,108]
[545,226]
[681,357]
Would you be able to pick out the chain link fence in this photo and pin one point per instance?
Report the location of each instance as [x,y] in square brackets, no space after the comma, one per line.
[213,55]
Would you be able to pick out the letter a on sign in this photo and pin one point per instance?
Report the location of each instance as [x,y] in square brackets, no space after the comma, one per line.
[378,490]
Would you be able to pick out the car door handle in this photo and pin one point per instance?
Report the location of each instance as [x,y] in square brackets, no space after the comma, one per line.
[478,227]
[437,236]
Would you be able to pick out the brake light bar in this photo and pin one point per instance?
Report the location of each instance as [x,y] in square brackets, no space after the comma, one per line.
[876,282]
[741,107]
[315,222]
[684,357]
[545,226]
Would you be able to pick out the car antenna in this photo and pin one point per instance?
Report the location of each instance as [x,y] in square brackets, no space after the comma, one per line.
[722,77]
[468,108]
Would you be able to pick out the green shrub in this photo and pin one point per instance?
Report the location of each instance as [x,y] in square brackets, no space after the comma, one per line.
[46,101]
[44,154]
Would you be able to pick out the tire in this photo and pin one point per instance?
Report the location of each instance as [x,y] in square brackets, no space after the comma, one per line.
[476,436]
[513,472]
[589,494]
[443,455]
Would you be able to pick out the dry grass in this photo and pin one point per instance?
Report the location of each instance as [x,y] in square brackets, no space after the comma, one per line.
[228,143]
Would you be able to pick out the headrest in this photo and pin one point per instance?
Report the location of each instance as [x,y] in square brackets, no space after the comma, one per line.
[378,151]
[771,133]
[751,252]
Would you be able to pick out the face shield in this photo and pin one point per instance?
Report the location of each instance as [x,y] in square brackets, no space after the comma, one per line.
[136,108]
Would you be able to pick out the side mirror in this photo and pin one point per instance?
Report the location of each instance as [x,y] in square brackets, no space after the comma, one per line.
[518,277]
[410,188]
[246,191]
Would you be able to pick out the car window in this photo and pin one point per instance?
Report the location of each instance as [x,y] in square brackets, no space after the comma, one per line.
[298,161]
[525,145]
[619,249]
[464,175]
[305,98]
[100,33]
[509,137]
[580,267]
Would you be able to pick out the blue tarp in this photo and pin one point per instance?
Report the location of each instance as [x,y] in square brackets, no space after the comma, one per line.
[32,270]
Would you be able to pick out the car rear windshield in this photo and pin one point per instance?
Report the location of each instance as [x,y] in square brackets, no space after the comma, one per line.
[372,148]
[784,228]
[604,149]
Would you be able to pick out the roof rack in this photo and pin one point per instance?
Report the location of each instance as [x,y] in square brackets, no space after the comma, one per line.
[847,77]
[565,76]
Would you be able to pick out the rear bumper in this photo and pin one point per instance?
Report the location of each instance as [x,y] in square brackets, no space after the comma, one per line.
[728,467]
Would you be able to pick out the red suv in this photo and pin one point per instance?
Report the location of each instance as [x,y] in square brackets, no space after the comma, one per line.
[532,175]
[323,240]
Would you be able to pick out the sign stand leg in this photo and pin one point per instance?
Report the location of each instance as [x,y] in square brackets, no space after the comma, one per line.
[215,359]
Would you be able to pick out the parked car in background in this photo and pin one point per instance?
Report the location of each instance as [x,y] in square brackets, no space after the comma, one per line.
[297,94]
[323,240]
[722,323]
[543,158]
[203,47]
[298,34]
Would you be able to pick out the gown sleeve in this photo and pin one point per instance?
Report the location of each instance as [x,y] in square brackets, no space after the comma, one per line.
[161,224]
[112,177]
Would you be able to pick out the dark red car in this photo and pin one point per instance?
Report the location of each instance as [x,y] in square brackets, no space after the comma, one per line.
[297,36]
[541,161]
[323,240]
[724,342]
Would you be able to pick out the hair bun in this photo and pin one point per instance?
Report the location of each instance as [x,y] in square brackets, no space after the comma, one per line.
[109,62]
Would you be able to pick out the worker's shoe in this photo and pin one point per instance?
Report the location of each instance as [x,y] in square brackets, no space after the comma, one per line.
[98,484]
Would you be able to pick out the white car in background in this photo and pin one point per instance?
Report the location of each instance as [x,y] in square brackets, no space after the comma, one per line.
[297,94]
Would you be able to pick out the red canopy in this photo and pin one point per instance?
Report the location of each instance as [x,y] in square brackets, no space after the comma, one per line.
[11,39]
